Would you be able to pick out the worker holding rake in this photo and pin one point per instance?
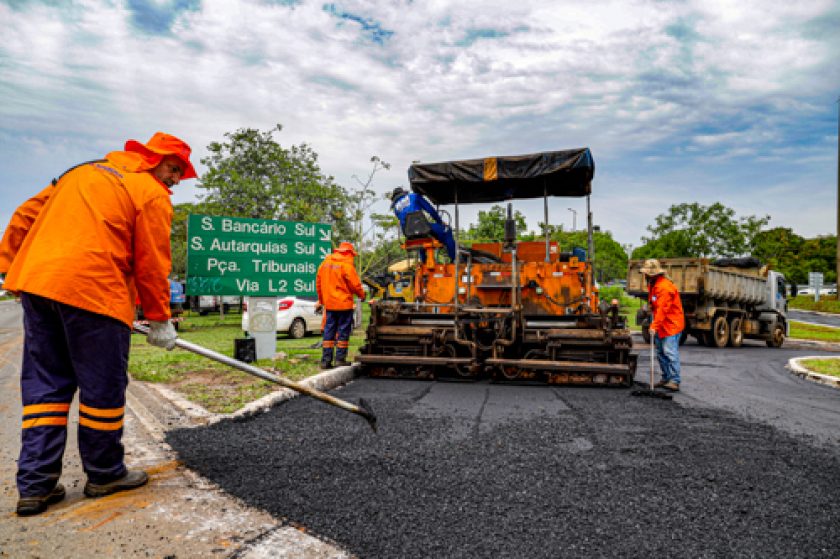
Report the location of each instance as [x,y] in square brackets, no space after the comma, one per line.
[667,324]
[79,253]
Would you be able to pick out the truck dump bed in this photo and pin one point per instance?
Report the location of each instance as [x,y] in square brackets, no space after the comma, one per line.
[698,276]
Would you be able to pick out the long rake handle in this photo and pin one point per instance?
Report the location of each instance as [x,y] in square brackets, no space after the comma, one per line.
[652,349]
[362,410]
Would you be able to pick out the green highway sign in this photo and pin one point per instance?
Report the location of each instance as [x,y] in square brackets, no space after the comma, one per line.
[257,257]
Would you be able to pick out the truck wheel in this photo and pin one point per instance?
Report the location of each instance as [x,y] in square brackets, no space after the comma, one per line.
[777,337]
[736,335]
[298,329]
[720,332]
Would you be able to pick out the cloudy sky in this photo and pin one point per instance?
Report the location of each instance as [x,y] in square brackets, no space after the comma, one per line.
[680,101]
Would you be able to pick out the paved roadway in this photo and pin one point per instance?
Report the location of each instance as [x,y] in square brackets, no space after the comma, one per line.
[745,462]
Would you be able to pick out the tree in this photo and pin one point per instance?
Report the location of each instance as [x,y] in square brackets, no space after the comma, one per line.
[359,202]
[251,175]
[491,225]
[695,230]
[178,236]
[610,260]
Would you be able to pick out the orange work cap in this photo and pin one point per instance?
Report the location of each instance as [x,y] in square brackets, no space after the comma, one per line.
[165,144]
[346,247]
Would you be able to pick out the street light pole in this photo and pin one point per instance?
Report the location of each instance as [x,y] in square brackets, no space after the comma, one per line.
[574,221]
[838,193]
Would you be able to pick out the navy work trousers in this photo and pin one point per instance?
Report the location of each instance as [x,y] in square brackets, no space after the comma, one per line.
[337,335]
[67,348]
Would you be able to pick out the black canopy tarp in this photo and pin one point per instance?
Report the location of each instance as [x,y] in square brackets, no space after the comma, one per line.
[495,179]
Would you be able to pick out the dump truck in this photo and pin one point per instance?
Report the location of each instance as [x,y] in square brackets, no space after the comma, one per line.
[725,301]
[507,310]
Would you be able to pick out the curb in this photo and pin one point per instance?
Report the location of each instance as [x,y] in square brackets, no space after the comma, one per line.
[795,366]
[322,381]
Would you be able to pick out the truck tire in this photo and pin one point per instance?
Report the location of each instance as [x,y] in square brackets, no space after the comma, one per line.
[720,332]
[777,336]
[736,335]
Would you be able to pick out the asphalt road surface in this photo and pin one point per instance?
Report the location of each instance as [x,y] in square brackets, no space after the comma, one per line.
[744,462]
[822,319]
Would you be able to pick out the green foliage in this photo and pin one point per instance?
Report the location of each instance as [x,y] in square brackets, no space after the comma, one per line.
[610,256]
[251,175]
[178,237]
[795,256]
[491,226]
[695,230]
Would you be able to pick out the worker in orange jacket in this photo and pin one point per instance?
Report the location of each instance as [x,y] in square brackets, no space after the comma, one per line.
[667,324]
[336,283]
[80,253]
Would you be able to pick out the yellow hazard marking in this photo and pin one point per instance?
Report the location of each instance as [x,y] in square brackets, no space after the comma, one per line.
[491,169]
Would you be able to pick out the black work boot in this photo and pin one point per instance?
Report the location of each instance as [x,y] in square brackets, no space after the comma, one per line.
[30,506]
[342,363]
[324,365]
[131,480]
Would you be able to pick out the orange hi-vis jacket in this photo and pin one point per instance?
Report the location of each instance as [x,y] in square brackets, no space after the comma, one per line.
[337,281]
[96,240]
[668,316]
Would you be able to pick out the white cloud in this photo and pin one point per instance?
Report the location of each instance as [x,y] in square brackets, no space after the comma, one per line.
[662,92]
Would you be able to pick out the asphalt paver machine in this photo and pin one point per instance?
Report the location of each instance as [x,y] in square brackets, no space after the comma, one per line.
[508,310]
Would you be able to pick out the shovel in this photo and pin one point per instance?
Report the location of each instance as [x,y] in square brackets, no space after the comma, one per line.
[651,391]
[363,409]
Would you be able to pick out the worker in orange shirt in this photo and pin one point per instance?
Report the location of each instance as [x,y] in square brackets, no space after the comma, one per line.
[667,324]
[80,253]
[336,283]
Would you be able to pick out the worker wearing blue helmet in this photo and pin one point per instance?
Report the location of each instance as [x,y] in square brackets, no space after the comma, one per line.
[404,203]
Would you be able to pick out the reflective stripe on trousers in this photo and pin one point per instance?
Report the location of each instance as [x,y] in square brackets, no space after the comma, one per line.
[336,334]
[65,349]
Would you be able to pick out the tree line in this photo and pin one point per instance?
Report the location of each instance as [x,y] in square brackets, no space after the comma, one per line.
[249,174]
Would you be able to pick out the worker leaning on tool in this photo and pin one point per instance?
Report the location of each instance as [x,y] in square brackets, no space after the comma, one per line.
[336,283]
[667,323]
[79,253]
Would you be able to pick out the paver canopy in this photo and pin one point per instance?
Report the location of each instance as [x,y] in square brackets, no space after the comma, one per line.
[495,179]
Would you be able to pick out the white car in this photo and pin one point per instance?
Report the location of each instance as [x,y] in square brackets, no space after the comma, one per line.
[296,316]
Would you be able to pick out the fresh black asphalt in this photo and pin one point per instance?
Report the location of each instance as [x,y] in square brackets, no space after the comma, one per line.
[486,470]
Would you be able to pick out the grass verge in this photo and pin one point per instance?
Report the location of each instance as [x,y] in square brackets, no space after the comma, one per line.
[823,366]
[827,303]
[803,331]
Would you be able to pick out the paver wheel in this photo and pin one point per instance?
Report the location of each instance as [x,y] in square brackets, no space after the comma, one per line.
[298,329]
[736,335]
[720,332]
[777,338]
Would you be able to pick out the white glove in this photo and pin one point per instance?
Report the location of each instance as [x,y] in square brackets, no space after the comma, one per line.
[161,334]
